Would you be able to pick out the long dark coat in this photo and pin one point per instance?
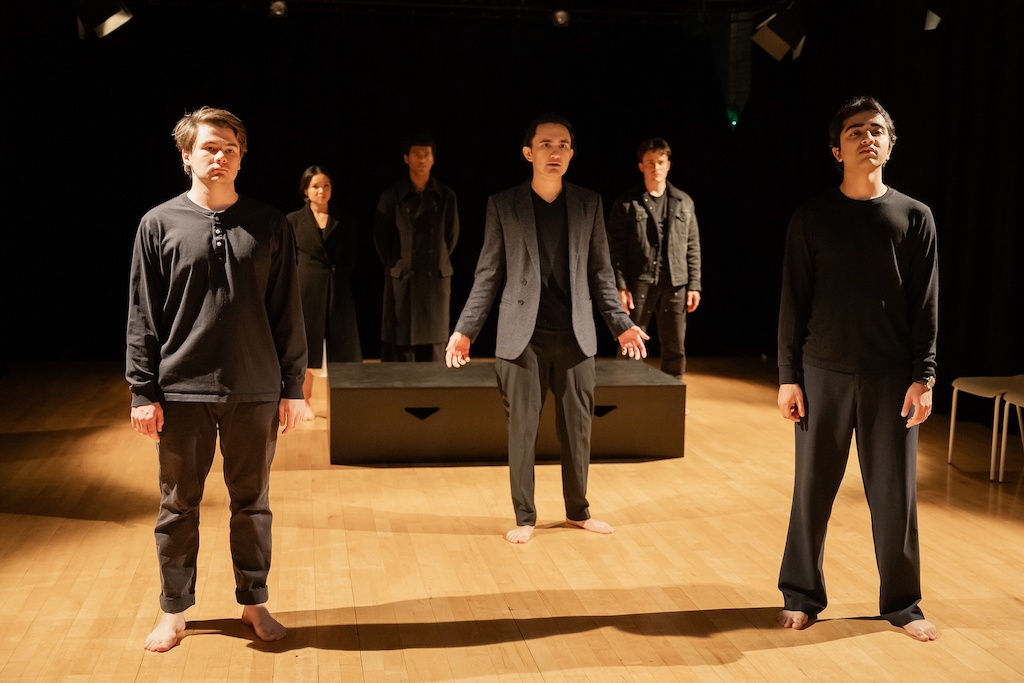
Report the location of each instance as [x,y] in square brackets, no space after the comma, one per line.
[326,258]
[415,237]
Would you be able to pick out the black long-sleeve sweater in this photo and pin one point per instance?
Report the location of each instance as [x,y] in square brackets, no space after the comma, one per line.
[859,287]
[214,312]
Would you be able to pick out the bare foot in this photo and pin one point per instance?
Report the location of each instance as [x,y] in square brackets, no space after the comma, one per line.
[165,635]
[793,619]
[308,415]
[267,627]
[922,629]
[595,525]
[521,534]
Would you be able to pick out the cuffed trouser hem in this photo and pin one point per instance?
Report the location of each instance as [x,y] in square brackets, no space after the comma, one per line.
[256,596]
[177,605]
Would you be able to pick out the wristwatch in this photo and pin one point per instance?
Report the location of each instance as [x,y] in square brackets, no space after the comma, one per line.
[927,381]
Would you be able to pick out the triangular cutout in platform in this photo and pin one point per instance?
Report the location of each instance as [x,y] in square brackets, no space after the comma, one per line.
[421,413]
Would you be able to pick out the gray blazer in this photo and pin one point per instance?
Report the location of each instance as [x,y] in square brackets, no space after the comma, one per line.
[510,265]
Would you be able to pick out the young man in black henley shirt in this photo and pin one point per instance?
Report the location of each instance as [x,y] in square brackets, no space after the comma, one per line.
[857,329]
[216,346]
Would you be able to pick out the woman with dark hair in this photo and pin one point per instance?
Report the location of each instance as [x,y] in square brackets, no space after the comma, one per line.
[326,243]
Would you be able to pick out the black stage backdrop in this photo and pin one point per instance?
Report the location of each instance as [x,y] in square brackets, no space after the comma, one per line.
[89,123]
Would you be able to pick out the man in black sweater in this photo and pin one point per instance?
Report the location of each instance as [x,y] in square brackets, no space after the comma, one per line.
[857,329]
[216,346]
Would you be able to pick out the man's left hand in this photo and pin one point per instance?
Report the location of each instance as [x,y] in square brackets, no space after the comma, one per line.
[919,396]
[692,300]
[632,343]
[290,412]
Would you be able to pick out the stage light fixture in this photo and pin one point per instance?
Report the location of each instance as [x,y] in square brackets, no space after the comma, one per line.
[935,10]
[732,48]
[101,17]
[278,9]
[781,33]
[560,18]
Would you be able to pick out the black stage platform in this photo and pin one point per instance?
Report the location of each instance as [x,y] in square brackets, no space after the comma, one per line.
[408,413]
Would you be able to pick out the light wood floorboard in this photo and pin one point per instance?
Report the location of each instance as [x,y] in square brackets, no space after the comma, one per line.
[401,573]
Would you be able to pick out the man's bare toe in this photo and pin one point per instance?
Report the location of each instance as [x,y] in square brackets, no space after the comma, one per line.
[165,635]
[922,629]
[595,525]
[521,534]
[267,628]
[793,619]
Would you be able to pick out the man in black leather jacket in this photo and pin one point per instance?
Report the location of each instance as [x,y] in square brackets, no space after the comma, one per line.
[655,249]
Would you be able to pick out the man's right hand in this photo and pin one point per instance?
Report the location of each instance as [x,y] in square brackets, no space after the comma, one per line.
[791,402]
[456,354]
[148,420]
[626,299]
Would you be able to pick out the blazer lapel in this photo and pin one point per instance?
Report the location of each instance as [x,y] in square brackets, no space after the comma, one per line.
[307,235]
[332,223]
[577,236]
[527,221]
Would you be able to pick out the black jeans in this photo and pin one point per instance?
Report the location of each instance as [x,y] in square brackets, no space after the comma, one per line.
[248,439]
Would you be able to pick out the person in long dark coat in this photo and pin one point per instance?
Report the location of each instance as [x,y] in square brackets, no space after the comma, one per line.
[326,244]
[415,231]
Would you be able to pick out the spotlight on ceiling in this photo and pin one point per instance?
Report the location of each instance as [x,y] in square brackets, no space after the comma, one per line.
[560,18]
[101,17]
[935,10]
[278,9]
[782,32]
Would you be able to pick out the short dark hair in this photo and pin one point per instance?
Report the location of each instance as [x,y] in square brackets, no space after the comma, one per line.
[653,145]
[856,106]
[419,140]
[307,177]
[550,117]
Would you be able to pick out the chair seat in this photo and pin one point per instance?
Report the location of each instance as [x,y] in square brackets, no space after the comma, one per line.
[993,386]
[989,387]
[1015,396]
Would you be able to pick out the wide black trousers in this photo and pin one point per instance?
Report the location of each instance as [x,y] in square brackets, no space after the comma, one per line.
[839,405]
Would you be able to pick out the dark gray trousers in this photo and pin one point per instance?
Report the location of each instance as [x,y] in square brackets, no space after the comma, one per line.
[837,406]
[667,305]
[551,360]
[248,438]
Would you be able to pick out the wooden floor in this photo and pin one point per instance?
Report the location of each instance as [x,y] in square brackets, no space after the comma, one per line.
[401,574]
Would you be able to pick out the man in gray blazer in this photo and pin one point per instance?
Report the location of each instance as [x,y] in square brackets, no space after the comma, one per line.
[546,253]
